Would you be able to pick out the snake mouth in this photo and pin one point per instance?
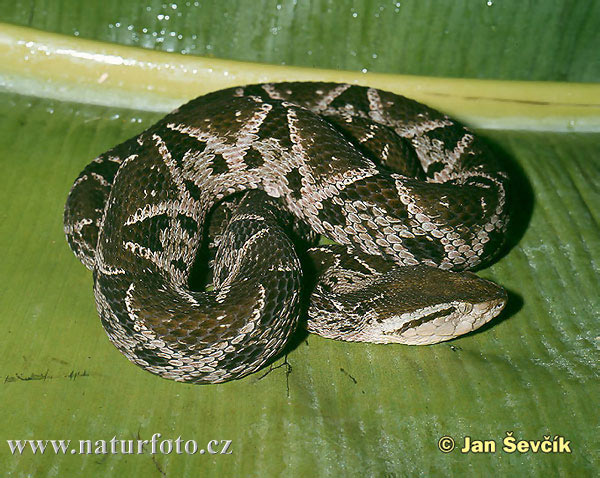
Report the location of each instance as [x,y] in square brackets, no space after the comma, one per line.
[439,323]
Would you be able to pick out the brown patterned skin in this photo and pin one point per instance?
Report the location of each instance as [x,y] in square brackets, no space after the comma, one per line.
[400,185]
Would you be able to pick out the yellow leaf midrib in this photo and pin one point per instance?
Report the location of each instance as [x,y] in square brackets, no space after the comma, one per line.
[87,71]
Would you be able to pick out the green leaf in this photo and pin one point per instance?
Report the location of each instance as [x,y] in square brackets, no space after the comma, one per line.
[328,408]
[553,40]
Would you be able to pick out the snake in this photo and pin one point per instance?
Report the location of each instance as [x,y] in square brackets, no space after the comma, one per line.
[243,182]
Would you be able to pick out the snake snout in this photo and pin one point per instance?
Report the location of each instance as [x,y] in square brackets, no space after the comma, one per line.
[447,323]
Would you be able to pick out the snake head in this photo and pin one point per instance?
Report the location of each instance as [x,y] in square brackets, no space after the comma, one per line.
[417,305]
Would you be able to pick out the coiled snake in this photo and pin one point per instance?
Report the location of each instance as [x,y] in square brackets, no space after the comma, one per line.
[407,194]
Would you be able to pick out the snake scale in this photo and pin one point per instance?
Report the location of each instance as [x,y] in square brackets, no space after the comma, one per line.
[410,197]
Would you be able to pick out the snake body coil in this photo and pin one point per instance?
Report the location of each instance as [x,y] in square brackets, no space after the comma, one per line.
[407,193]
